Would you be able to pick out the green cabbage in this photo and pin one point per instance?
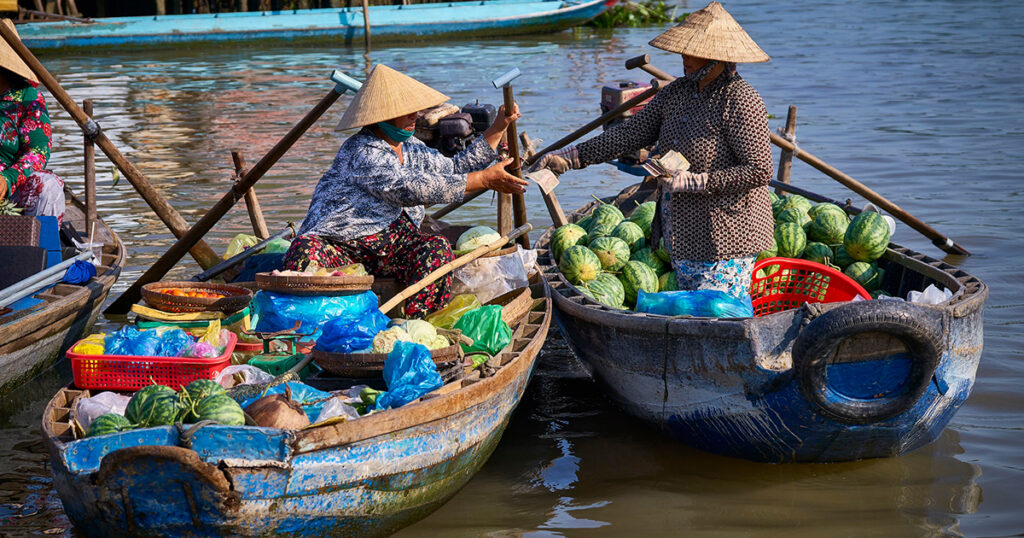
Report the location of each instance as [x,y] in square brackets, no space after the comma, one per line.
[419,331]
[437,342]
[475,237]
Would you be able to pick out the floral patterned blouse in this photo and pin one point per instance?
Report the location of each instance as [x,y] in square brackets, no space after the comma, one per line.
[368,187]
[25,135]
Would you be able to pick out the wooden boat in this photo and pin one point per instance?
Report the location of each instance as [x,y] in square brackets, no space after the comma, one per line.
[364,477]
[826,382]
[413,21]
[35,338]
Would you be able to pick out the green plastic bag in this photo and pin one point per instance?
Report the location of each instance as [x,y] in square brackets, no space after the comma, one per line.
[485,326]
[277,246]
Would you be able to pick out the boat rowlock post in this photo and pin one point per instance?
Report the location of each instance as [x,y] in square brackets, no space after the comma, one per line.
[786,157]
[89,173]
[252,204]
[518,199]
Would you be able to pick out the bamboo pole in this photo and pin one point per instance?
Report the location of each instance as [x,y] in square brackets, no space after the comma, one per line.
[518,198]
[786,157]
[201,251]
[454,264]
[89,172]
[252,204]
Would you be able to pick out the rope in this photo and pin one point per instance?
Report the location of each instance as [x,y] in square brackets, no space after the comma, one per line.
[185,435]
[92,130]
[791,138]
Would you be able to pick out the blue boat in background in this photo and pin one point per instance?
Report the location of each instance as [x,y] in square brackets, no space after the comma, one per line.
[482,18]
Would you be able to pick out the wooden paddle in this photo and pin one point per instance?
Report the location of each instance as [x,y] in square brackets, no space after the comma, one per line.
[452,265]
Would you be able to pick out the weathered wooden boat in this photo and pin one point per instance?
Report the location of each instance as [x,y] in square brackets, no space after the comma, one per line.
[824,382]
[364,477]
[406,21]
[34,338]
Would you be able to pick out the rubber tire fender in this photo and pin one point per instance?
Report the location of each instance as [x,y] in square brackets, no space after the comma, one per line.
[919,328]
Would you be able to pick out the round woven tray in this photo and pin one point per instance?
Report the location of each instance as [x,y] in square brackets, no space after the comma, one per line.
[371,364]
[313,285]
[236,298]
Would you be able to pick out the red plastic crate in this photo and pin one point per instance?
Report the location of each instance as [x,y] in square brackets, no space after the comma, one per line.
[131,373]
[798,282]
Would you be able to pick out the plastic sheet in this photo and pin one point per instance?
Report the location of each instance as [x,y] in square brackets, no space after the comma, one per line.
[930,295]
[409,373]
[488,278]
[239,243]
[696,303]
[446,317]
[242,374]
[343,336]
[80,272]
[87,409]
[279,312]
[337,407]
[485,326]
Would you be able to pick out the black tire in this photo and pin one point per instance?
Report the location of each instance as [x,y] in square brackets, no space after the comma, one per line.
[920,329]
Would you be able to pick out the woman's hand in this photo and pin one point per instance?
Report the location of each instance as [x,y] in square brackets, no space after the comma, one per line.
[496,178]
[559,161]
[493,133]
[684,181]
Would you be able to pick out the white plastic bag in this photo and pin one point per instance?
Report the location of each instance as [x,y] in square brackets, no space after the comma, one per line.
[88,409]
[336,407]
[930,295]
[488,278]
[250,375]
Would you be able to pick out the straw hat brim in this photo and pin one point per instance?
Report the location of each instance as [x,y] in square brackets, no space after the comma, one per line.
[713,34]
[388,94]
[10,60]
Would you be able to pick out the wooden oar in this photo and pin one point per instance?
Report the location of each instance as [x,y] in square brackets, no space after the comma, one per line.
[453,265]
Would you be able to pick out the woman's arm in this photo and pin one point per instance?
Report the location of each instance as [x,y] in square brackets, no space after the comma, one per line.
[745,128]
[638,132]
[34,136]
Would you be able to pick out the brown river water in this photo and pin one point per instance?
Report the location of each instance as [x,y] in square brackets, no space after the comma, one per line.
[919,99]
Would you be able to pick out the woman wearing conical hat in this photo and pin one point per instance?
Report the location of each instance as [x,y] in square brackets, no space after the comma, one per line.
[25,141]
[368,206]
[715,217]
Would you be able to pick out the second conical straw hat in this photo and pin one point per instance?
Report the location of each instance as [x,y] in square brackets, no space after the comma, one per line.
[10,59]
[388,94]
[713,34]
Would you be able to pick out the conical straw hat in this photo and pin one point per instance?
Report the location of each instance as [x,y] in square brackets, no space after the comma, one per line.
[10,59]
[388,94]
[713,34]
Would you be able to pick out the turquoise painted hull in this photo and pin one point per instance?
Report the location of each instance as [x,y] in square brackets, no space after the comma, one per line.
[390,23]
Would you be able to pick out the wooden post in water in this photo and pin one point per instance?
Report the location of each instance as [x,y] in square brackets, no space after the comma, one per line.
[89,173]
[252,204]
[366,23]
[786,157]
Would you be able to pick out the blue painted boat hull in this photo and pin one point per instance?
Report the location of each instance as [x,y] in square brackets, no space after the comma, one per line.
[728,386]
[345,26]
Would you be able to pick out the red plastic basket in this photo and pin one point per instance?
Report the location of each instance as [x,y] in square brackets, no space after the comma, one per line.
[797,282]
[131,373]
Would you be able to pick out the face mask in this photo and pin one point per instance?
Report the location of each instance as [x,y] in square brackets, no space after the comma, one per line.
[394,133]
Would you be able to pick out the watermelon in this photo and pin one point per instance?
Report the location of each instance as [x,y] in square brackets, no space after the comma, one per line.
[767,271]
[631,233]
[195,392]
[797,201]
[643,216]
[790,239]
[818,252]
[613,252]
[585,222]
[636,276]
[822,207]
[866,237]
[662,252]
[579,264]
[607,214]
[828,227]
[778,206]
[842,259]
[220,408]
[668,282]
[646,256]
[565,237]
[606,289]
[795,215]
[155,405]
[107,424]
[772,197]
[600,229]
[769,252]
[863,273]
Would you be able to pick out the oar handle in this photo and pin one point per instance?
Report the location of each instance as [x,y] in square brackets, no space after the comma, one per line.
[453,265]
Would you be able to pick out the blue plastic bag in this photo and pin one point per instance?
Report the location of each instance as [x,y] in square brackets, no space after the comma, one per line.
[409,373]
[696,303]
[279,312]
[129,340]
[311,400]
[343,336]
[79,272]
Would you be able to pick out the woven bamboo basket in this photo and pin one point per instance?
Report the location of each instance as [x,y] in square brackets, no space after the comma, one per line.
[235,298]
[313,285]
[366,365]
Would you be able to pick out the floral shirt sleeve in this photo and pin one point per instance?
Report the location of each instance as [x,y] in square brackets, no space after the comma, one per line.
[24,135]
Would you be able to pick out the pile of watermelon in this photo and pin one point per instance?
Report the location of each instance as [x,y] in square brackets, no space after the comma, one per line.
[609,258]
[824,233]
[160,405]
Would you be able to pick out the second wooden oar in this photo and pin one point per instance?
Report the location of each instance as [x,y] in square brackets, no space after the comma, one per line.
[453,265]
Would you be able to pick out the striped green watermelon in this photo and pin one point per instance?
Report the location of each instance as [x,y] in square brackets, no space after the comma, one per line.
[867,237]
[790,239]
[585,222]
[769,252]
[565,237]
[637,276]
[643,216]
[778,206]
[579,264]
[842,259]
[797,201]
[600,229]
[631,233]
[220,408]
[607,214]
[668,282]
[155,405]
[818,252]
[772,197]
[822,207]
[662,252]
[794,215]
[195,392]
[606,289]
[863,273]
[828,227]
[107,424]
[646,256]
[613,252]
